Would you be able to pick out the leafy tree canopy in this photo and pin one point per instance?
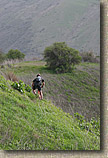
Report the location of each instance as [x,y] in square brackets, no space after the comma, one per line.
[61,58]
[15,54]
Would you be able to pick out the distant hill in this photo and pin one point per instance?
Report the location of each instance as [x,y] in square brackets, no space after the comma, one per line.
[32,25]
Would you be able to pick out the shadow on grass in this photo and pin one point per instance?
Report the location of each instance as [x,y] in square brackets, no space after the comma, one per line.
[45,69]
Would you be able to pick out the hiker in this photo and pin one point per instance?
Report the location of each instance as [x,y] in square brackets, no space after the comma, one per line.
[38,83]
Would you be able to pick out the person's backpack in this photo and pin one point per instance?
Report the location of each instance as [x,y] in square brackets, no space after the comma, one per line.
[37,81]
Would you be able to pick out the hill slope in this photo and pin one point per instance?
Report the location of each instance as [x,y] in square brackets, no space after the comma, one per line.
[30,124]
[72,92]
[30,25]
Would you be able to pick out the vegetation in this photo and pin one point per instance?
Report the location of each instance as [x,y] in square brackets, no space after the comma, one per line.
[90,57]
[15,54]
[2,56]
[78,91]
[61,58]
[30,124]
[21,86]
[93,126]
[11,76]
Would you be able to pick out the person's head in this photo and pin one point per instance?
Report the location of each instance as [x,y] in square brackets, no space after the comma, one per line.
[38,75]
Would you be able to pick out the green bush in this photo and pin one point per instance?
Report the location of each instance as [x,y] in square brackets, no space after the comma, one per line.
[61,58]
[21,86]
[15,54]
[28,88]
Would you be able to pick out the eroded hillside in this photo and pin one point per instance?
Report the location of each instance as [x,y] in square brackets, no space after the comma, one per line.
[32,25]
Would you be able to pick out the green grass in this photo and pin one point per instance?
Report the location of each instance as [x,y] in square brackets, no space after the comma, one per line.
[30,124]
[29,67]
[78,91]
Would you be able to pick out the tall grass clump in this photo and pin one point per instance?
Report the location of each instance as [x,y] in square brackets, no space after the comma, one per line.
[11,76]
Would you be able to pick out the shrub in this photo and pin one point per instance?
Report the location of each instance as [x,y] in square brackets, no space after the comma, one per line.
[15,54]
[2,56]
[21,86]
[28,88]
[61,58]
[89,57]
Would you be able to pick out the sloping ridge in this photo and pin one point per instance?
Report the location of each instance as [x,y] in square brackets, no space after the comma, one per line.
[30,124]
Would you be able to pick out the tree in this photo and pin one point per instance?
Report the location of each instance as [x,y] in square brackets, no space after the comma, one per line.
[15,54]
[61,58]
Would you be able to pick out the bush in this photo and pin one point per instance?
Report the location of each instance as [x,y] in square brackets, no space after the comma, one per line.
[15,54]
[21,86]
[61,58]
[28,88]
[89,57]
[2,56]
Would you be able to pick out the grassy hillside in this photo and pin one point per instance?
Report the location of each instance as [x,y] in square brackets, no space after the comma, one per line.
[30,124]
[73,92]
[30,25]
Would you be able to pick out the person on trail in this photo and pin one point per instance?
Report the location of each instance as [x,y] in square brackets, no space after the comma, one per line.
[38,83]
